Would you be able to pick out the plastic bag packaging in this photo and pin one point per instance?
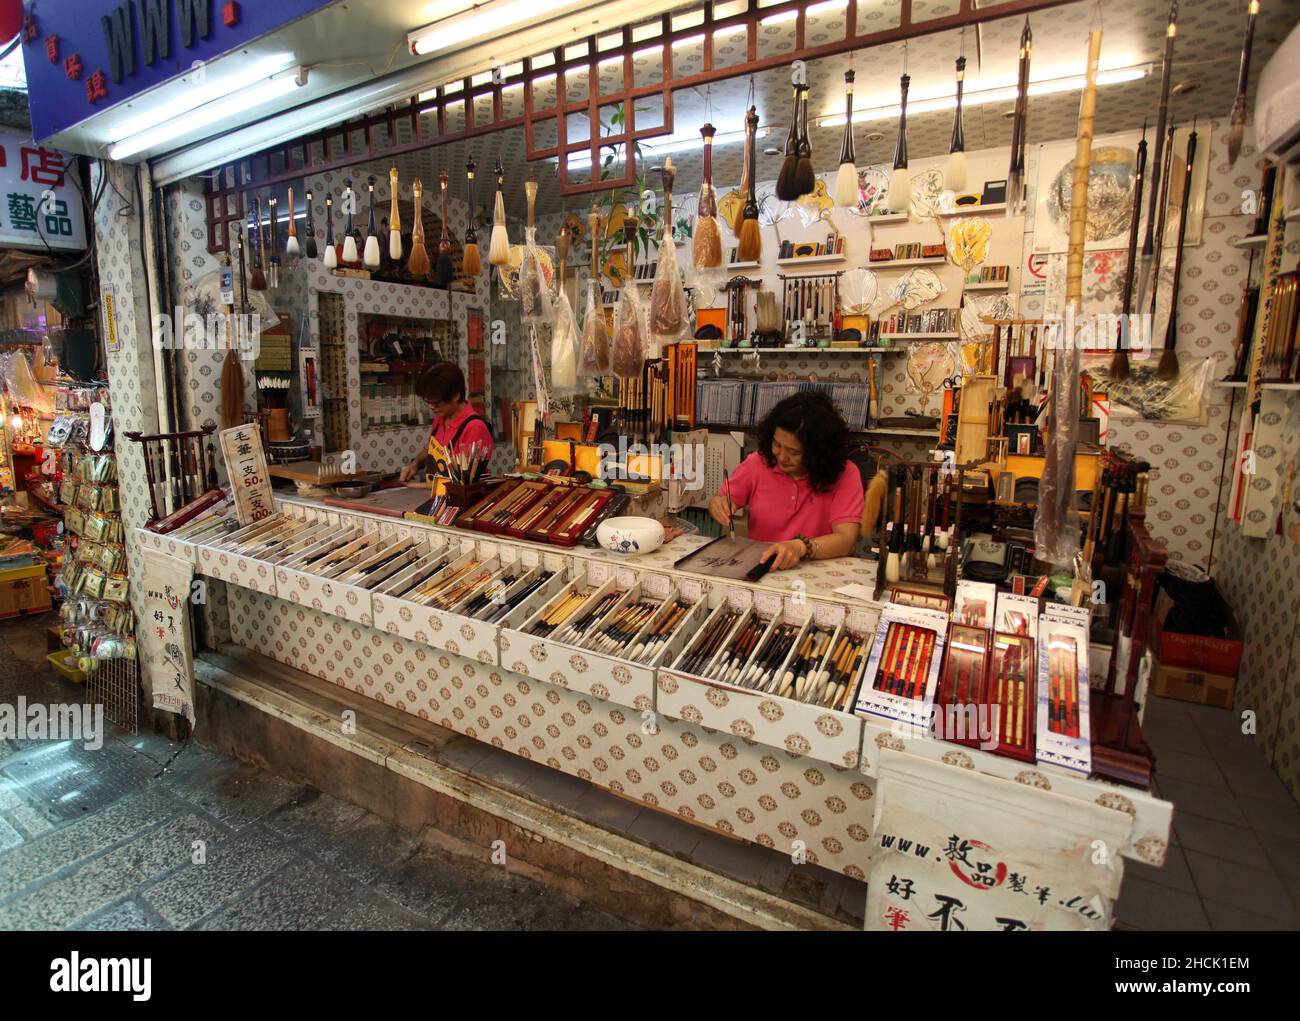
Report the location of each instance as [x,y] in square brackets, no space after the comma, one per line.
[629,347]
[1153,398]
[533,292]
[24,391]
[1056,525]
[594,358]
[667,299]
[541,394]
[564,347]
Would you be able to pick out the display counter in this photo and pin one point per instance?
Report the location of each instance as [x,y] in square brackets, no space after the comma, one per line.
[601,666]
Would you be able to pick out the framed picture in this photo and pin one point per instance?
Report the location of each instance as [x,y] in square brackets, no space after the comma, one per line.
[1006,487]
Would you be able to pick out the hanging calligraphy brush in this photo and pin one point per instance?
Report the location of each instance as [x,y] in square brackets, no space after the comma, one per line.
[349,255]
[273,263]
[1019,125]
[1145,275]
[232,372]
[1119,365]
[309,228]
[394,219]
[750,238]
[846,178]
[1237,122]
[900,184]
[805,178]
[443,272]
[258,279]
[954,176]
[331,257]
[291,240]
[372,256]
[706,244]
[418,264]
[499,248]
[786,189]
[1165,184]
[471,263]
[1169,359]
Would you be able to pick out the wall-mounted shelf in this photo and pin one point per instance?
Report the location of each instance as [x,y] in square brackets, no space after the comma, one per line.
[920,336]
[888,218]
[990,286]
[743,265]
[803,350]
[992,207]
[812,260]
[1254,241]
[936,260]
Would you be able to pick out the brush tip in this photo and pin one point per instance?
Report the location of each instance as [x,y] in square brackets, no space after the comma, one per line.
[471,262]
[1119,367]
[786,188]
[805,178]
[1168,368]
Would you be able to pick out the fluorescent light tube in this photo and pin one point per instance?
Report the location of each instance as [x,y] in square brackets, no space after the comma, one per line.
[488,19]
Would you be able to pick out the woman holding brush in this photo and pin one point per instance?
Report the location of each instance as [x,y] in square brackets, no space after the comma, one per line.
[457,427]
[803,493]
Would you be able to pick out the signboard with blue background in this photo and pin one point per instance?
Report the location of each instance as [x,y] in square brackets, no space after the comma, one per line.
[86,56]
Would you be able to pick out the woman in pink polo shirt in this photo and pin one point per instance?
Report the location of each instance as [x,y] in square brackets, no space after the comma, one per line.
[803,493]
[456,425]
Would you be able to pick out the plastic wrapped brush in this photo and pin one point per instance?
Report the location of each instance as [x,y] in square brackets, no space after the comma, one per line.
[667,297]
[629,347]
[564,330]
[594,357]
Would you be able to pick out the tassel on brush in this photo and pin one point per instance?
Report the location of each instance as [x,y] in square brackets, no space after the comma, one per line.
[471,262]
[444,271]
[499,248]
[418,264]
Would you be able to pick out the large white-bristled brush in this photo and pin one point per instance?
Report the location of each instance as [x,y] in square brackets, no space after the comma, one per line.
[394,221]
[954,177]
[291,248]
[331,257]
[349,242]
[900,181]
[846,178]
[499,248]
[372,257]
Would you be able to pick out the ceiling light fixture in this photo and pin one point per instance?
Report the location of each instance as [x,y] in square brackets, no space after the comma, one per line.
[230,104]
[661,146]
[1042,87]
[488,19]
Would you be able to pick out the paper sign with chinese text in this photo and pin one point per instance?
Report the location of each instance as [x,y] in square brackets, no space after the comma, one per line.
[250,483]
[166,632]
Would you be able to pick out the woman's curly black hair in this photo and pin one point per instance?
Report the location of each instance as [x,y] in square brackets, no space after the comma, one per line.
[812,417]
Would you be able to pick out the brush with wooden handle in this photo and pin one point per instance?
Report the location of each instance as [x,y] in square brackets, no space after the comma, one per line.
[394,219]
[471,263]
[291,248]
[443,273]
[418,264]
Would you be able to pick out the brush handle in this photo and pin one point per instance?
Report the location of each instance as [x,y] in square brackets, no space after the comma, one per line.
[563,249]
[394,220]
[792,137]
[348,192]
[707,132]
[805,144]
[499,212]
[471,238]
[329,221]
[292,230]
[417,231]
[530,193]
[275,245]
[308,224]
[846,146]
[900,147]
[444,242]
[958,143]
[593,227]
[751,140]
[257,221]
[1171,328]
[243,271]
[1162,117]
[370,224]
[1139,177]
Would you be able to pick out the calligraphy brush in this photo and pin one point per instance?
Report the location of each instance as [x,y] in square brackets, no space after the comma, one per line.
[418,264]
[273,262]
[394,219]
[846,177]
[805,178]
[257,281]
[309,230]
[499,248]
[900,184]
[443,271]
[1016,172]
[1119,366]
[786,188]
[954,176]
[371,255]
[1169,359]
[1158,155]
[1166,183]
[291,247]
[731,508]
[232,372]
[1237,122]
[471,263]
[331,257]
[750,238]
[349,242]
[706,245]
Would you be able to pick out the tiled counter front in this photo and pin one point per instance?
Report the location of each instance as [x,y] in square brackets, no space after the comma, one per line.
[760,794]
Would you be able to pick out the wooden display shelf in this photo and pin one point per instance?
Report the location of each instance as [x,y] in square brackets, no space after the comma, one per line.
[1254,241]
[920,336]
[991,285]
[933,260]
[805,350]
[812,260]
[992,207]
[889,218]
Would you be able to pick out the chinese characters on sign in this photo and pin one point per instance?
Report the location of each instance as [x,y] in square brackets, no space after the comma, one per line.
[39,200]
[166,632]
[246,465]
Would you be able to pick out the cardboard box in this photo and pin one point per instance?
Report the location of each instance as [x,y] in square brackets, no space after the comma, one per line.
[1195,652]
[1190,685]
[23,590]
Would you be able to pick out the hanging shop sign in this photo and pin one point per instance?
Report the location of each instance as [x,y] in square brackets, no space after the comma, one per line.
[250,483]
[41,204]
[83,57]
[167,647]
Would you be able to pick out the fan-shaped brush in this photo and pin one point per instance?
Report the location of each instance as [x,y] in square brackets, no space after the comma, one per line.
[499,248]
[443,272]
[257,281]
[349,242]
[309,229]
[418,264]
[471,263]
[750,239]
[291,248]
[786,182]
[954,177]
[372,257]
[331,257]
[394,219]
[805,178]
[900,182]
[846,178]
